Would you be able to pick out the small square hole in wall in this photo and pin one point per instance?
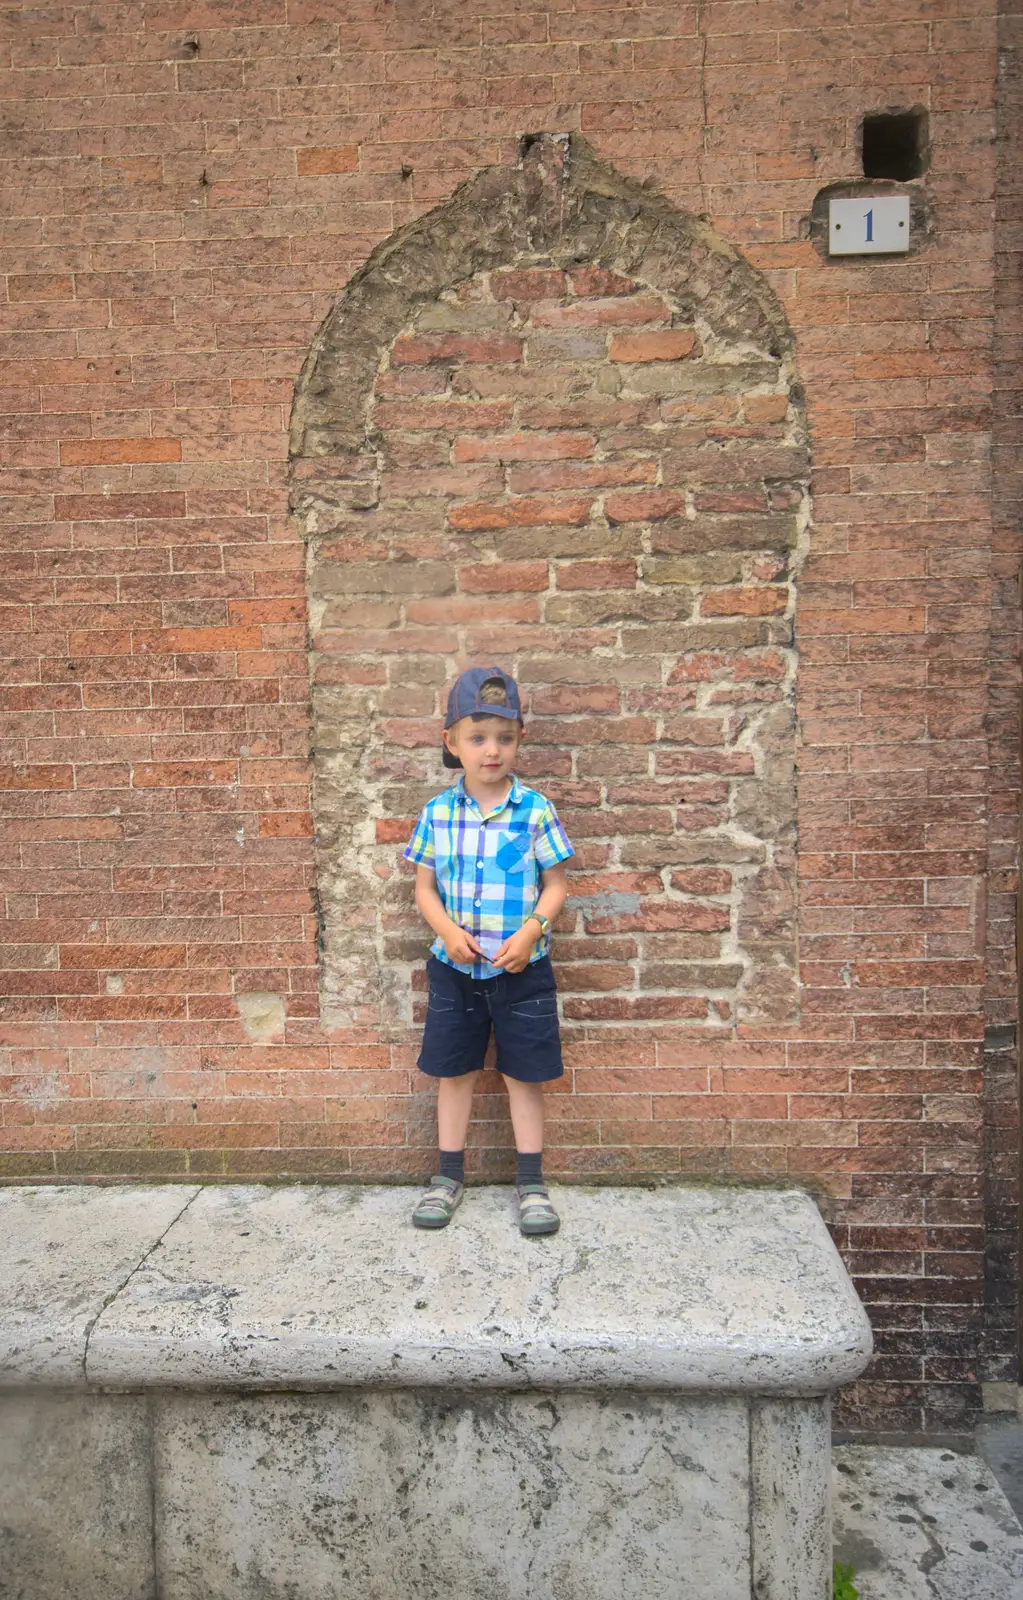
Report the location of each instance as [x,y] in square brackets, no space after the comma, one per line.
[895,144]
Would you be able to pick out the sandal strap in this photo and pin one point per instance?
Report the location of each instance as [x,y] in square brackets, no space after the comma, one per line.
[440,1196]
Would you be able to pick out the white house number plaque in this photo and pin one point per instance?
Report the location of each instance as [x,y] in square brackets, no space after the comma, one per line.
[873,225]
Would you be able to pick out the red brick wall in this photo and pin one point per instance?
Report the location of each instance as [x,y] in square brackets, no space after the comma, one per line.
[1001,1045]
[186,190]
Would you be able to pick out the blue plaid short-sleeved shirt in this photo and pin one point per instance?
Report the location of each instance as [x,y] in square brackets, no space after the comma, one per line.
[488,867]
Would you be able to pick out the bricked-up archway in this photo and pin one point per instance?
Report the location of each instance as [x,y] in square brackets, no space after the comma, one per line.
[556,423]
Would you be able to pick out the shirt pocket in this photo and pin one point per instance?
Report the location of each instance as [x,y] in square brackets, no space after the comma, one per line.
[514,850]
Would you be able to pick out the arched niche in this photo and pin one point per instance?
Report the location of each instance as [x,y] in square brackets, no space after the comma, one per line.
[557,423]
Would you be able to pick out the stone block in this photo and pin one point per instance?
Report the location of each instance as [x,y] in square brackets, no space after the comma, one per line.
[513,1496]
[790,1451]
[681,1289]
[299,1394]
[75,1495]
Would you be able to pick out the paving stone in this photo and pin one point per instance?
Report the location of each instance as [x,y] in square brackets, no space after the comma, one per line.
[924,1525]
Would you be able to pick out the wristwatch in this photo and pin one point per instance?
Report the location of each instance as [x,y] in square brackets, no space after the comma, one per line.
[545,926]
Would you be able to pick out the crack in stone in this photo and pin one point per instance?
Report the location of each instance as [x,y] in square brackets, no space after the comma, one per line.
[111,1298]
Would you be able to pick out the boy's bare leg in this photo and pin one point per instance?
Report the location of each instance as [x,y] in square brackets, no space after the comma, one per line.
[525,1102]
[454,1108]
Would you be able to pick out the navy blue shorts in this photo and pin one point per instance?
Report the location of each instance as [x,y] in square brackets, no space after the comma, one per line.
[522,1008]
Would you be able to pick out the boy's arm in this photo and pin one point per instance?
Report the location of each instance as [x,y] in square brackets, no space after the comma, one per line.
[554,891]
[460,946]
[514,954]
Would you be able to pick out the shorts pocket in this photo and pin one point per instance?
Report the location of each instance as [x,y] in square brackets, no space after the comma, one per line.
[439,1002]
[540,1006]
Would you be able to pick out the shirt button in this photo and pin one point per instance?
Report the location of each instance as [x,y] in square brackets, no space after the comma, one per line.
[477,902]
[479,863]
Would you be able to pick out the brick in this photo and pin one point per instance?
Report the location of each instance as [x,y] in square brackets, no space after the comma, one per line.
[598,280]
[426,348]
[532,283]
[40,286]
[525,511]
[572,698]
[504,577]
[598,313]
[756,602]
[597,575]
[443,413]
[175,641]
[286,825]
[673,344]
[313,162]
[169,774]
[582,475]
[765,407]
[523,447]
[108,452]
[103,508]
[37,777]
[643,505]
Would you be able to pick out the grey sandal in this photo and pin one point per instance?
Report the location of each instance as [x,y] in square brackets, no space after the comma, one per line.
[439,1203]
[536,1213]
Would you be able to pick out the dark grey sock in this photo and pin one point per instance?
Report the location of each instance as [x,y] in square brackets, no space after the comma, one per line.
[452,1165]
[530,1167]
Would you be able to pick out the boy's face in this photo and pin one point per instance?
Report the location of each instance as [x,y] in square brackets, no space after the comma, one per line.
[486,747]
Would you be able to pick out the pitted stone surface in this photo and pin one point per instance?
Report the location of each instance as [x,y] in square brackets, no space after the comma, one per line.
[790,1512]
[924,1525]
[64,1253]
[696,1289]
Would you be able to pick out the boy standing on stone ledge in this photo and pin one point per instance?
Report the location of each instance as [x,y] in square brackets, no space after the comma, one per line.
[490,879]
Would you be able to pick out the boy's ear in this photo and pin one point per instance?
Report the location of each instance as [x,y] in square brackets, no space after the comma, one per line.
[449,755]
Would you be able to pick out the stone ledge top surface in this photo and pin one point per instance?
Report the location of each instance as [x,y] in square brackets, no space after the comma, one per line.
[266,1287]
[64,1253]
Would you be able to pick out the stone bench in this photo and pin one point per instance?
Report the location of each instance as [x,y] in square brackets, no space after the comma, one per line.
[257,1392]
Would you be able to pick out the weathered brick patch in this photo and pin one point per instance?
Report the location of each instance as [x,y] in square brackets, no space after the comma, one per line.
[600,481]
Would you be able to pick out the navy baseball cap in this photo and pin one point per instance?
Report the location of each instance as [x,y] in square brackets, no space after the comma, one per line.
[465,701]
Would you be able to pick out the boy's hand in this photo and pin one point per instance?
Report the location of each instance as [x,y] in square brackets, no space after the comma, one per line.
[514,954]
[462,947]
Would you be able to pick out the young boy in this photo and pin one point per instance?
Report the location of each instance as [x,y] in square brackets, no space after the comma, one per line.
[490,879]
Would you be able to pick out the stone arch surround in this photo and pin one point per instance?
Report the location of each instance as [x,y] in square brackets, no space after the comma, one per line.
[558,423]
